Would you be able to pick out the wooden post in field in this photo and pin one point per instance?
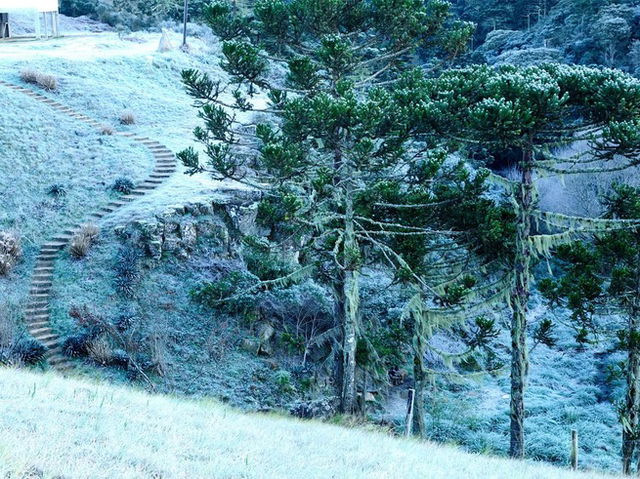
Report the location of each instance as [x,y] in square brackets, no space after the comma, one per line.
[574,449]
[410,406]
[185,18]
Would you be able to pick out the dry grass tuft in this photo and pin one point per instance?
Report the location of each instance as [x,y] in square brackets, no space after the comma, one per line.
[82,240]
[43,80]
[10,251]
[100,350]
[107,131]
[127,118]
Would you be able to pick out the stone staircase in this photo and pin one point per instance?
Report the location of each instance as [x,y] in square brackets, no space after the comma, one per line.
[37,313]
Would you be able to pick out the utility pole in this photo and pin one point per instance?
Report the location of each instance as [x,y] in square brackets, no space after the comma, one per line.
[186,17]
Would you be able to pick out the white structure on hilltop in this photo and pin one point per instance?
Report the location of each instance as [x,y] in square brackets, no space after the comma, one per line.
[44,12]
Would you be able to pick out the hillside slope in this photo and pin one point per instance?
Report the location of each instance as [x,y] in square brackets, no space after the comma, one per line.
[80,430]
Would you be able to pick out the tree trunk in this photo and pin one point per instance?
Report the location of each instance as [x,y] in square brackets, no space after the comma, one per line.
[420,378]
[351,306]
[630,412]
[520,303]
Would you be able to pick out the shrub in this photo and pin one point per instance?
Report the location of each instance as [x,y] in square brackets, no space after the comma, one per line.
[107,130]
[10,251]
[232,293]
[57,190]
[123,185]
[119,358]
[127,118]
[43,80]
[29,351]
[100,350]
[82,240]
[125,321]
[127,271]
[77,345]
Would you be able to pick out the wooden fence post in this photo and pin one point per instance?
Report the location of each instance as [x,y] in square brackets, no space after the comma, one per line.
[574,449]
[410,406]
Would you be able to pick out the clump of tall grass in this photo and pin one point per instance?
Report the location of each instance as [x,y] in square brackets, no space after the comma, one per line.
[82,241]
[43,80]
[10,251]
[127,118]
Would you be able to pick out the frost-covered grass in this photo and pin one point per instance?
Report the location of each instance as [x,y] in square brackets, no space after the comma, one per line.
[83,430]
[103,76]
[568,389]
[53,171]
[200,345]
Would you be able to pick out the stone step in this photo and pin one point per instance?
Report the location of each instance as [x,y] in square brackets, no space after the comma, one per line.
[47,336]
[40,331]
[43,269]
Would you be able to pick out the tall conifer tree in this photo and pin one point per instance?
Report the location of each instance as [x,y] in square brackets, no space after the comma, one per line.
[535,112]
[330,133]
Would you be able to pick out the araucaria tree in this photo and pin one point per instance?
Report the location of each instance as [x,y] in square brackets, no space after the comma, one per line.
[329,131]
[536,112]
[600,278]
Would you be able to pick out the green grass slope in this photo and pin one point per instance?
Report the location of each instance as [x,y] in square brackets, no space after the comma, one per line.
[74,429]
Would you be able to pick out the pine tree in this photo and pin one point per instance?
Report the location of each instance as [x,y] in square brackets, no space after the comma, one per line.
[601,277]
[333,131]
[534,112]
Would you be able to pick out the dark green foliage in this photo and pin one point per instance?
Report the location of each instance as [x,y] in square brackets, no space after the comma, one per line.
[544,333]
[604,271]
[226,293]
[76,8]
[123,185]
[57,191]
[29,351]
[262,261]
[127,271]
[75,346]
[484,331]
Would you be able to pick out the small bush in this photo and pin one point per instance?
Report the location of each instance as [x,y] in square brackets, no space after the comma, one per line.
[82,240]
[100,350]
[127,118]
[119,358]
[57,190]
[107,131]
[127,271]
[125,321]
[43,80]
[77,345]
[29,351]
[123,185]
[10,251]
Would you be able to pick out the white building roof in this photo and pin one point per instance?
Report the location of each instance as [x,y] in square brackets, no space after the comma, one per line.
[33,5]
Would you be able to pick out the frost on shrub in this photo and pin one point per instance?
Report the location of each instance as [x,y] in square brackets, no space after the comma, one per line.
[305,313]
[82,241]
[43,80]
[14,348]
[29,351]
[10,251]
[231,293]
[57,190]
[123,185]
[127,271]
[127,118]
[107,342]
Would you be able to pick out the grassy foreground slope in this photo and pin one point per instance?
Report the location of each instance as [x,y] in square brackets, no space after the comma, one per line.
[83,430]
